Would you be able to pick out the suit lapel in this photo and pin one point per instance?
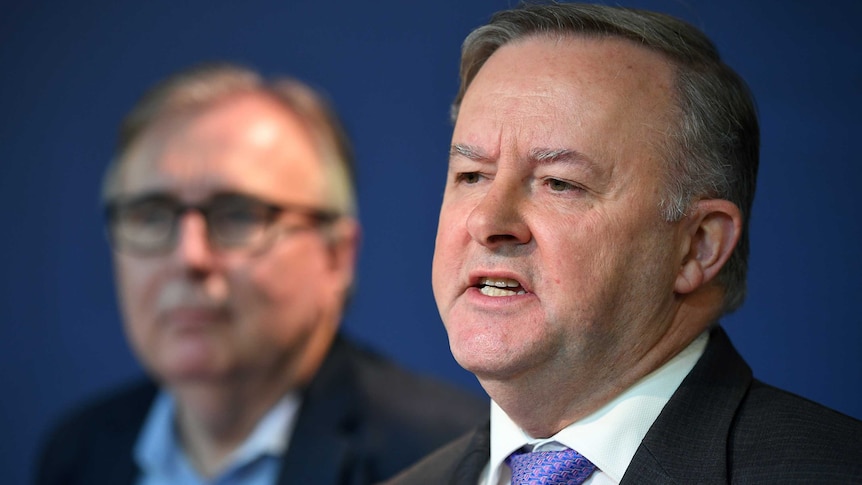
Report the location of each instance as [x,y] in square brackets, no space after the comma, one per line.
[476,457]
[458,463]
[688,441]
[318,458]
[320,449]
[112,460]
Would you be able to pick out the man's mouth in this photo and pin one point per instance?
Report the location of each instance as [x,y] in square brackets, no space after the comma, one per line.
[500,287]
[194,316]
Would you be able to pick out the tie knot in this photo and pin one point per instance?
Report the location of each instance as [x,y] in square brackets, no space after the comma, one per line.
[566,467]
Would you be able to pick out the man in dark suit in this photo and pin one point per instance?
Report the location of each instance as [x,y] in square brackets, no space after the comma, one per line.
[231,211]
[592,233]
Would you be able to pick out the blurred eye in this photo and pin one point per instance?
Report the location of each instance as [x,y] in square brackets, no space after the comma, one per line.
[235,222]
[145,224]
[236,215]
[147,214]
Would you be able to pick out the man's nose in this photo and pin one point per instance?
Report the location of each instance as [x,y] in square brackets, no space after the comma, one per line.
[193,249]
[498,218]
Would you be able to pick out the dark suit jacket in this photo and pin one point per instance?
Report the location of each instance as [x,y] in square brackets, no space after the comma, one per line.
[721,426]
[362,420]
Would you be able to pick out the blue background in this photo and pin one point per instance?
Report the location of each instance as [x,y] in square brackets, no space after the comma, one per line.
[70,70]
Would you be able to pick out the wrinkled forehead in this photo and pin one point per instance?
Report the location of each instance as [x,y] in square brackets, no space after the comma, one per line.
[554,91]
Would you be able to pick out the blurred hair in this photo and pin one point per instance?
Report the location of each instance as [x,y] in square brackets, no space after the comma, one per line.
[205,85]
[713,148]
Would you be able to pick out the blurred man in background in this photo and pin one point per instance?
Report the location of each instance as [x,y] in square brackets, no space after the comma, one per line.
[231,211]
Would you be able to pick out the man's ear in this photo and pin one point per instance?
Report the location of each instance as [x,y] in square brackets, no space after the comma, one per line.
[711,230]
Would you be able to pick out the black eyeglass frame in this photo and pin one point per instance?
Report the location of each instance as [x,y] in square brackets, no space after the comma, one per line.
[319,217]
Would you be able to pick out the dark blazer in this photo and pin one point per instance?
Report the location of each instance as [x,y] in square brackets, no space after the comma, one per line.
[362,420]
[720,426]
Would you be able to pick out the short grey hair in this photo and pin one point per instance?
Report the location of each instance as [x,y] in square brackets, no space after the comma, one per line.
[204,85]
[713,150]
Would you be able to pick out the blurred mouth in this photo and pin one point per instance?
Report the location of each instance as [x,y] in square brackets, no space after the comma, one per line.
[500,287]
[193,316]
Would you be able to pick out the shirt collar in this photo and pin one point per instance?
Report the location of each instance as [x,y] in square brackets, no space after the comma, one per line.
[158,449]
[610,436]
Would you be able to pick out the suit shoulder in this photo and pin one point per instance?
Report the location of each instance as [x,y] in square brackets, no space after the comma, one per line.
[776,431]
[442,465]
[417,398]
[406,415]
[110,407]
[780,413]
[91,427]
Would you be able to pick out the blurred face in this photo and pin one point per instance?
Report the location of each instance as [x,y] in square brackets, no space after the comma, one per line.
[199,312]
[551,253]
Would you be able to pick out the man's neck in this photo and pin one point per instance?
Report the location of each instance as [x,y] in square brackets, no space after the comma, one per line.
[214,419]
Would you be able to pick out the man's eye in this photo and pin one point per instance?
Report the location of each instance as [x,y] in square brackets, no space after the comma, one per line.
[235,226]
[557,185]
[468,177]
[237,216]
[147,215]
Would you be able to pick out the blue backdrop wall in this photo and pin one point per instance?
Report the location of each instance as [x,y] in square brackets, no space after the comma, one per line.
[69,71]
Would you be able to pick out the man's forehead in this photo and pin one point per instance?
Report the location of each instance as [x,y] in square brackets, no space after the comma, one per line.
[569,80]
[543,64]
[243,145]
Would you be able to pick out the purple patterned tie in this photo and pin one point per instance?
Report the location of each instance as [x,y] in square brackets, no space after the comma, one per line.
[567,467]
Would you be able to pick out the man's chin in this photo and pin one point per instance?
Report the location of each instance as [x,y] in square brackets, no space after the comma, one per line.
[191,369]
[491,357]
[487,364]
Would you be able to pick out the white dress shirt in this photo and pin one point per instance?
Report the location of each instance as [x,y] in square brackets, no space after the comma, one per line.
[608,437]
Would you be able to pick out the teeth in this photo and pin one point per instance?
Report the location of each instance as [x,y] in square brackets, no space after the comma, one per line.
[494,291]
[499,282]
[500,287]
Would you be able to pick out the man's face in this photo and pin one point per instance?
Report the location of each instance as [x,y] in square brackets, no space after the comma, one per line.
[200,313]
[551,252]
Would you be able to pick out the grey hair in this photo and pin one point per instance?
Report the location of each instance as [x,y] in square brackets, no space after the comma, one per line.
[713,148]
[204,85]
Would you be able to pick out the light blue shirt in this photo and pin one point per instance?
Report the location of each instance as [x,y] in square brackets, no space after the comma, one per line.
[160,455]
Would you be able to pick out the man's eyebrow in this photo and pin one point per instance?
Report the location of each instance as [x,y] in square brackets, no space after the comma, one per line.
[468,151]
[538,156]
[553,155]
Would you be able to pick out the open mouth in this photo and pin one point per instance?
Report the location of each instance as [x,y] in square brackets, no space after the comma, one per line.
[500,287]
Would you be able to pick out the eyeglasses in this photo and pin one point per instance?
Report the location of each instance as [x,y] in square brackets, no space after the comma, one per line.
[147,224]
